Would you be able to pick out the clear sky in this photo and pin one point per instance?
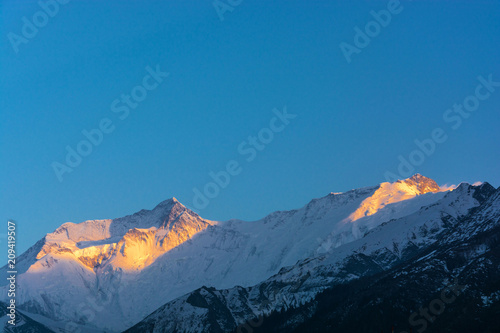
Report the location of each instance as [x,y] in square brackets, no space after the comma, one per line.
[353,119]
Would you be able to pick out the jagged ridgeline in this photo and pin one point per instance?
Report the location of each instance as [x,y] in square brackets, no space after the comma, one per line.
[378,253]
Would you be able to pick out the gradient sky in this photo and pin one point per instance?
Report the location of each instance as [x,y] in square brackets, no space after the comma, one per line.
[353,119]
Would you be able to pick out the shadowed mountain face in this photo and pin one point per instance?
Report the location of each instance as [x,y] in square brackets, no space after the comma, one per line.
[104,275]
[23,324]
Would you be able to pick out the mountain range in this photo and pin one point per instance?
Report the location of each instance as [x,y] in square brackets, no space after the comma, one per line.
[380,253]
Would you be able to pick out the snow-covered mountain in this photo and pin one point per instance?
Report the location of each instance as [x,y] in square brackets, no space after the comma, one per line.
[390,244]
[107,275]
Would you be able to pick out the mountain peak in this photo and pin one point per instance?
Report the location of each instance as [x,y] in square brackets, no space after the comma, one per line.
[168,203]
[391,193]
[423,184]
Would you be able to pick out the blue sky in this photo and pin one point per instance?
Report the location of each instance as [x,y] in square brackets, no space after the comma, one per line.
[225,78]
